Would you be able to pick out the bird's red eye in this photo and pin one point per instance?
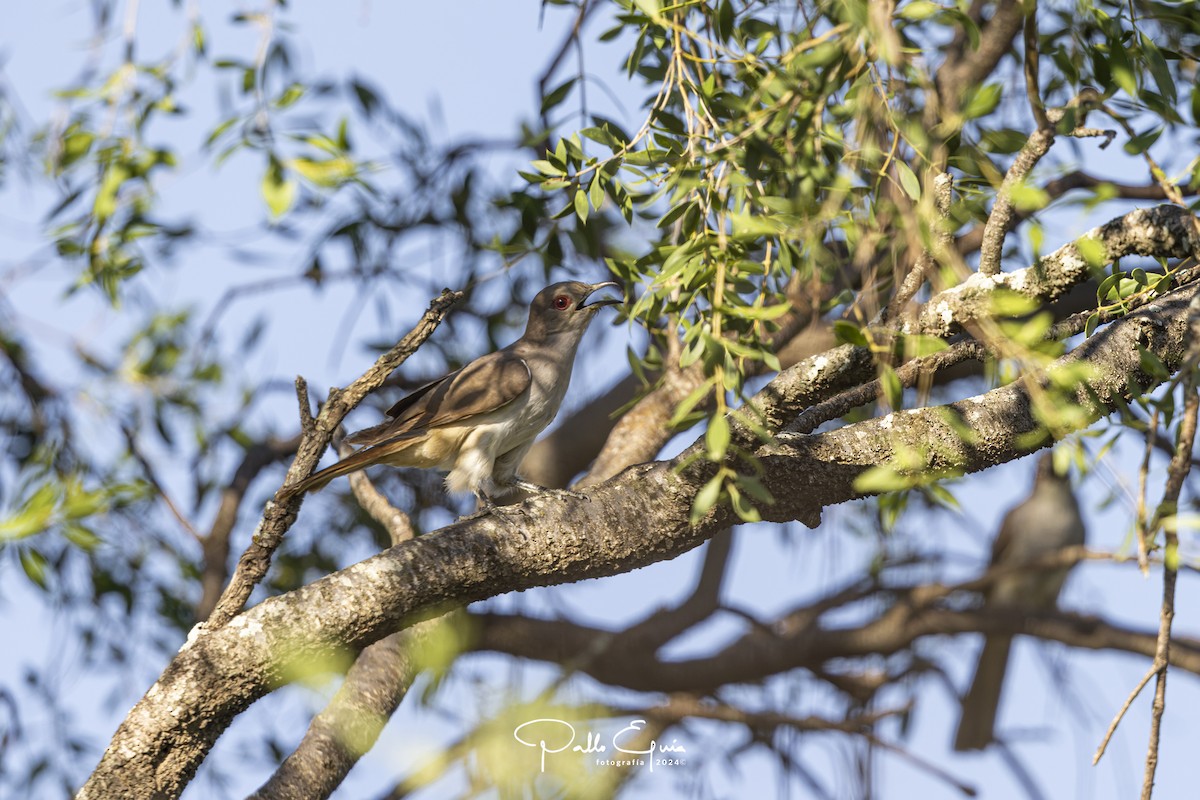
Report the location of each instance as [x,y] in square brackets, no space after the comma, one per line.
[562,302]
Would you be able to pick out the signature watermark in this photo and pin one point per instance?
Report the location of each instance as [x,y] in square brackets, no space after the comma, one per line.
[552,736]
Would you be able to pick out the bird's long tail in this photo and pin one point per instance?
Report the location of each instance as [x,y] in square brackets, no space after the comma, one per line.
[352,463]
[976,727]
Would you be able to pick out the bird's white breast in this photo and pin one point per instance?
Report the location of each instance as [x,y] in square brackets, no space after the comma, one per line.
[509,428]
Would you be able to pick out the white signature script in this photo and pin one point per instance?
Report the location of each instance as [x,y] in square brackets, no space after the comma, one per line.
[561,731]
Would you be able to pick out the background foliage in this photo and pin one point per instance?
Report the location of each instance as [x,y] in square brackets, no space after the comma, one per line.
[761,181]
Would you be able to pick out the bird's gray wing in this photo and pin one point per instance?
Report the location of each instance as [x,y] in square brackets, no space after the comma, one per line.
[486,384]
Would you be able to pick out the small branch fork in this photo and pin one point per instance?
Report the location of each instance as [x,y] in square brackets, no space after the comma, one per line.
[1177,472]
[317,432]
[1003,215]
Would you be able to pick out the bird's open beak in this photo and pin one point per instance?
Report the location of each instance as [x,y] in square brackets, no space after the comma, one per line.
[603,301]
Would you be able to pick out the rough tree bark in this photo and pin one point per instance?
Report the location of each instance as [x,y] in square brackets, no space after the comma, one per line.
[636,518]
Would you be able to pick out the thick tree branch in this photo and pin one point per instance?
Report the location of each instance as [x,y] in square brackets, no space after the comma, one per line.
[970,241]
[548,540]
[775,649]
[962,70]
[373,689]
[349,726]
[1164,231]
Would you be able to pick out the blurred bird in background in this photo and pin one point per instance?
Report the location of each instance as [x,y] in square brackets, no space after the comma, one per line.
[1047,521]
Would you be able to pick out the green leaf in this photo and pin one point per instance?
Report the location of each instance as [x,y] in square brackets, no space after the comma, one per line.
[581,205]
[1152,365]
[690,402]
[882,478]
[1003,140]
[918,345]
[290,95]
[79,503]
[724,20]
[33,516]
[596,193]
[849,333]
[754,487]
[368,99]
[918,10]
[651,8]
[707,497]
[1159,70]
[716,439]
[982,101]
[1105,291]
[556,95]
[1027,197]
[751,226]
[764,313]
[546,168]
[34,564]
[908,180]
[942,496]
[278,190]
[742,505]
[1142,142]
[893,390]
[81,537]
[1037,236]
[1093,252]
[1122,71]
[105,204]
[600,136]
[1029,332]
[327,173]
[1007,303]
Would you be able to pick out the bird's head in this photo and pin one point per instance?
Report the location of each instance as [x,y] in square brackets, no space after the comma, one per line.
[566,307]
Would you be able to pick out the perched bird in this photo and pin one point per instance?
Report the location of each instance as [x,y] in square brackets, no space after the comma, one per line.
[479,422]
[1047,521]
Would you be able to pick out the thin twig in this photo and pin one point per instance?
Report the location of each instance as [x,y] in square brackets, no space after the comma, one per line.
[1031,67]
[1112,726]
[302,400]
[1143,519]
[943,186]
[920,763]
[1002,218]
[281,512]
[215,545]
[397,523]
[149,472]
[1181,464]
